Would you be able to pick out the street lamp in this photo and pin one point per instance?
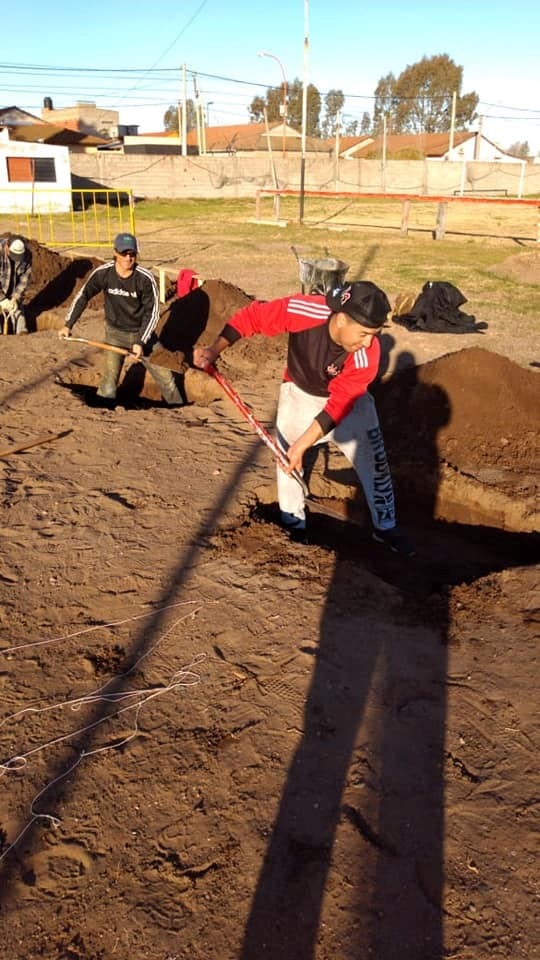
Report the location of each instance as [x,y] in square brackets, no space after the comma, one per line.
[263,53]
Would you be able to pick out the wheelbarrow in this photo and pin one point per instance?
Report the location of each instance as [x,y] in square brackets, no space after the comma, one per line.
[320,274]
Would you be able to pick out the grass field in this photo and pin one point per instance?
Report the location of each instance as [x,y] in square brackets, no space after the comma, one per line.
[219,238]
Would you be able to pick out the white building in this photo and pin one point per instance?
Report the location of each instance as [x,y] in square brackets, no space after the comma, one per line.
[34,177]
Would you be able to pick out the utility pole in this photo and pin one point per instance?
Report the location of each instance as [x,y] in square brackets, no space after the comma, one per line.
[199,119]
[383,171]
[452,122]
[184,112]
[304,110]
[478,139]
[338,129]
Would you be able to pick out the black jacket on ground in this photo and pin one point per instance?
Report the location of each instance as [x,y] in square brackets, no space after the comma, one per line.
[436,310]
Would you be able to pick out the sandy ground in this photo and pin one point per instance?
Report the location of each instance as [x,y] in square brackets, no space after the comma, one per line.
[219,744]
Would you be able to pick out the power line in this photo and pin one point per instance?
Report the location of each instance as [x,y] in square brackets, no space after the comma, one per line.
[172,72]
[171,45]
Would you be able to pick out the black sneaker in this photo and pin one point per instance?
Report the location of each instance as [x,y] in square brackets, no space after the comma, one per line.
[299,536]
[394,540]
[296,534]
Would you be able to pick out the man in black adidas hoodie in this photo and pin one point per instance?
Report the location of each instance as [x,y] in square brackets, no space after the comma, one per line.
[131,316]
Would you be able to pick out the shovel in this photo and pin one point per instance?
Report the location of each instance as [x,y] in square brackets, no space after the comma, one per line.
[161,378]
[109,346]
[100,344]
[270,442]
[263,434]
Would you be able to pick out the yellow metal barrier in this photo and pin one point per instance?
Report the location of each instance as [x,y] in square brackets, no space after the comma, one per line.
[67,218]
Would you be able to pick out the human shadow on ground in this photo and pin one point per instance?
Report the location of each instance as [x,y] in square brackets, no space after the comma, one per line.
[362,806]
[61,776]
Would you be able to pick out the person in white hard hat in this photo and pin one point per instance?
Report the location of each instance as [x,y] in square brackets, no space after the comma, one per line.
[15,273]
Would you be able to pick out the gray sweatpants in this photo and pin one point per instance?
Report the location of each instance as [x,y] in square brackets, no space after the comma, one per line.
[360,439]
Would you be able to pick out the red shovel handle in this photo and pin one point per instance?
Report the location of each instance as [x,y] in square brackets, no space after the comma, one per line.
[263,434]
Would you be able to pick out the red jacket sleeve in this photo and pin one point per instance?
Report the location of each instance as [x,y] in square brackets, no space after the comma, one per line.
[269,318]
[359,370]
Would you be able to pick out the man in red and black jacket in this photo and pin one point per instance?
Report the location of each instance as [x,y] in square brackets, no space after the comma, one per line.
[333,355]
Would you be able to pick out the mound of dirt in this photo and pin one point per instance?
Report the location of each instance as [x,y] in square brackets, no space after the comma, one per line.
[522,267]
[480,409]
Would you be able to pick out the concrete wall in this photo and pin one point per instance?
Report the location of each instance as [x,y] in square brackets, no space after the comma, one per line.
[171,177]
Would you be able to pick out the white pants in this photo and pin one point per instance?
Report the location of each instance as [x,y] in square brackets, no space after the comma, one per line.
[359,438]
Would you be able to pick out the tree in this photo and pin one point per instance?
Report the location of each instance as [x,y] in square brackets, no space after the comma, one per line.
[420,99]
[333,105]
[257,108]
[366,125]
[385,103]
[350,129]
[520,149]
[273,100]
[273,103]
[170,117]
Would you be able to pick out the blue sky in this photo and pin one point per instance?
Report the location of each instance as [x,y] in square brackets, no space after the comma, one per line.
[128,56]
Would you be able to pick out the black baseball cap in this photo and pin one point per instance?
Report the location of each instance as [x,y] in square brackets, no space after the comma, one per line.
[124,242]
[362,300]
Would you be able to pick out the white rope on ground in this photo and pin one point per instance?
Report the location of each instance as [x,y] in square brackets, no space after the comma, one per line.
[13,764]
[97,696]
[18,761]
[183,677]
[99,626]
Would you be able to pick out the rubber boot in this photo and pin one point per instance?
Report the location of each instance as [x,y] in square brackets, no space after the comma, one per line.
[167,384]
[20,321]
[112,364]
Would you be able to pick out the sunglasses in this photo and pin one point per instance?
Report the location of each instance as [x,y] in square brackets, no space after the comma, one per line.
[126,253]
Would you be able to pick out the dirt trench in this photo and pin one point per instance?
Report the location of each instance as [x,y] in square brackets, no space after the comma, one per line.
[459,430]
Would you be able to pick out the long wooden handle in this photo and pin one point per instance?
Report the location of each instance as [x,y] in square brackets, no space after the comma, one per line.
[100,344]
[258,427]
[33,443]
